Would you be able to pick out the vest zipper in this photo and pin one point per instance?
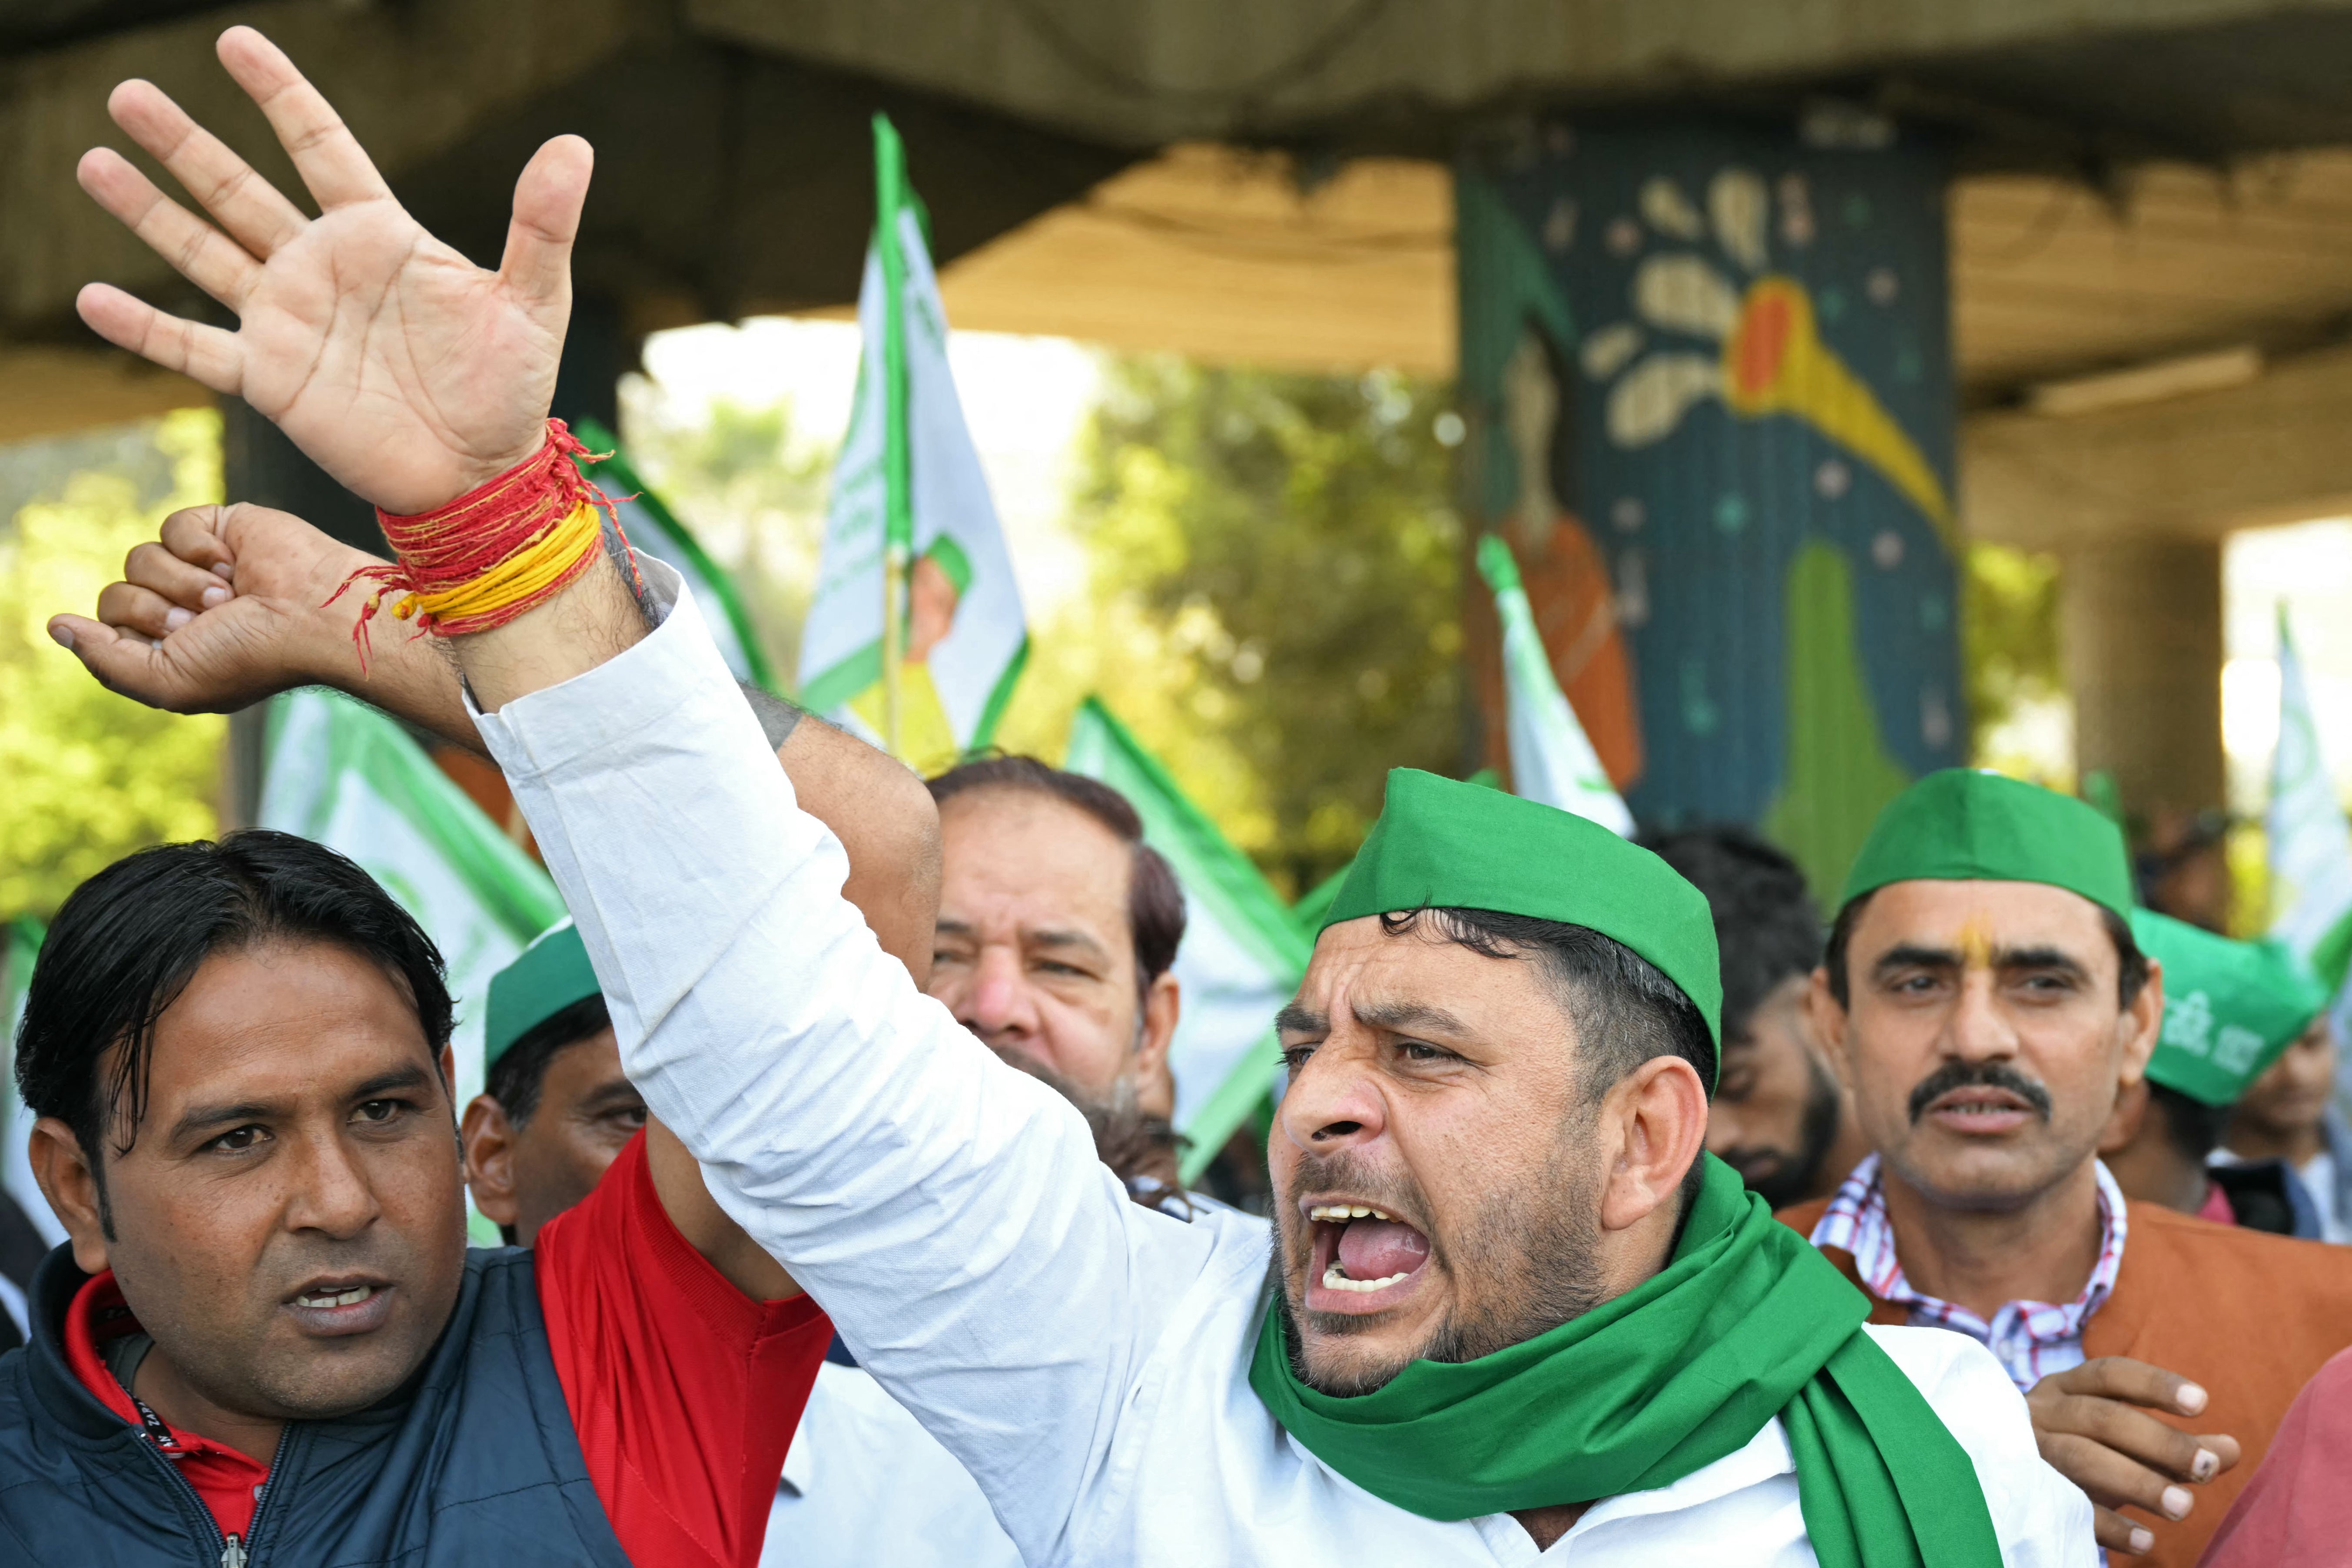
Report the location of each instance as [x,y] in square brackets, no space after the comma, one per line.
[233,1552]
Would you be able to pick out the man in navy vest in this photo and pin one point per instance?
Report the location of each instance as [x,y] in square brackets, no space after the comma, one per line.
[267,1334]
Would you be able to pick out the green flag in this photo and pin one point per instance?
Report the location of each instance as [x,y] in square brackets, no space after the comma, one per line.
[1241,955]
[1552,759]
[908,480]
[654,531]
[2310,844]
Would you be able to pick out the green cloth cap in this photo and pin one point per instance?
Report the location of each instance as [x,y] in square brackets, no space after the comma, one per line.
[545,978]
[1963,825]
[2230,1007]
[1441,844]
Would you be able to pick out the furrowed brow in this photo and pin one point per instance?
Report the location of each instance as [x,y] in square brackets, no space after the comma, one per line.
[1297,1018]
[2042,958]
[1065,941]
[1410,1017]
[198,1119]
[1911,955]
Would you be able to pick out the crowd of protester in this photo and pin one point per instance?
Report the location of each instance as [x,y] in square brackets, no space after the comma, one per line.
[1626,1205]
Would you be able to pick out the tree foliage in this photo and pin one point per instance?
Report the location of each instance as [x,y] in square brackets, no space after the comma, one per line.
[2009,633]
[753,493]
[87,776]
[1275,605]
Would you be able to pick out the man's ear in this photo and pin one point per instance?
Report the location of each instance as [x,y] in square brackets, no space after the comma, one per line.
[1155,1087]
[488,1136]
[2123,1122]
[72,1187]
[2141,1023]
[1659,1113]
[1828,1021]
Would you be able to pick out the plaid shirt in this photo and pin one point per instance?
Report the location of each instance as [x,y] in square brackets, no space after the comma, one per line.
[2031,1339]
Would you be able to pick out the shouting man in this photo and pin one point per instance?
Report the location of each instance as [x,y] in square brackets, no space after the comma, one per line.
[1989,1004]
[1512,1306]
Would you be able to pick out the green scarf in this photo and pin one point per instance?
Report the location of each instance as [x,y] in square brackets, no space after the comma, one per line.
[1746,1322]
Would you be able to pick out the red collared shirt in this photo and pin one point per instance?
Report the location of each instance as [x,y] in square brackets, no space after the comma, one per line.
[685,1393]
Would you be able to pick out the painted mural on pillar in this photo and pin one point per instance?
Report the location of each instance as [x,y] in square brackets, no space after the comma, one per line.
[1707,373]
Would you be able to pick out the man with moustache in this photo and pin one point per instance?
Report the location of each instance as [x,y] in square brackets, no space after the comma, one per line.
[1780,1117]
[1989,1004]
[1515,1308]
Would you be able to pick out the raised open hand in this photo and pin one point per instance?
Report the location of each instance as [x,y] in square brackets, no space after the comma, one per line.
[400,367]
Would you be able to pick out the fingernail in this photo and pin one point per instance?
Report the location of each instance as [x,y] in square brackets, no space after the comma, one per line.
[176,618]
[62,638]
[2206,1463]
[2142,1540]
[219,571]
[2191,1399]
[215,596]
[2177,1501]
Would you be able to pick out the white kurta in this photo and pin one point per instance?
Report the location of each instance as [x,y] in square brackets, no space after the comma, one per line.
[1087,1359]
[865,1487]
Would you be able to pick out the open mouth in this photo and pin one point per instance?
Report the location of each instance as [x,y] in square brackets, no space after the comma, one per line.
[1364,1259]
[347,1305]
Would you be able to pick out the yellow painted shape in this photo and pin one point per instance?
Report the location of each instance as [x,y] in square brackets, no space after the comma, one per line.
[1774,361]
[927,741]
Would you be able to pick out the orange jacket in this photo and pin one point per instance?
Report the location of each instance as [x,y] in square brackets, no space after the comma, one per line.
[2248,1316]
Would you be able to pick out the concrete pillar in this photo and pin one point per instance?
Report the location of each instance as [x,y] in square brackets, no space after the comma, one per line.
[1708,376]
[2140,623]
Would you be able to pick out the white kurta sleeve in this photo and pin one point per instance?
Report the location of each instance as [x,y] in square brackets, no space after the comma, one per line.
[948,1211]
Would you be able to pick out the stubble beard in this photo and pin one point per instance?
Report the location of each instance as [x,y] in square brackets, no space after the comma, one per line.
[1528,1262]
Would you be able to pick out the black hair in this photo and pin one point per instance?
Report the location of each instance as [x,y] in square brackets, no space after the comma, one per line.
[1766,923]
[515,1080]
[1155,900]
[2193,1128]
[1625,1010]
[2131,963]
[130,938]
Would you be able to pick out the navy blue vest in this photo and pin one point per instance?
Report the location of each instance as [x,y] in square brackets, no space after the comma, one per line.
[473,1461]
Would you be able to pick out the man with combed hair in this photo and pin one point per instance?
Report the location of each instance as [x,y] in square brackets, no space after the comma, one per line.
[266,1338]
[1990,1005]
[1512,1308]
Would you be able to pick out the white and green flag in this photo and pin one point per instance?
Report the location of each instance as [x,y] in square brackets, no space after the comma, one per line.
[341,774]
[1552,759]
[20,944]
[909,481]
[654,530]
[2310,843]
[1241,955]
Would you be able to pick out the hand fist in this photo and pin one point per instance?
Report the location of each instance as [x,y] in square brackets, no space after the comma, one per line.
[2090,1424]
[224,610]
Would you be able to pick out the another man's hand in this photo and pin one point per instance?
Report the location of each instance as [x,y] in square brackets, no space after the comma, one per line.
[400,367]
[2091,1424]
[226,608]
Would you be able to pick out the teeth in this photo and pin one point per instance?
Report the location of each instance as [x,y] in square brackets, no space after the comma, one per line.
[1334,1279]
[350,1298]
[1342,1212]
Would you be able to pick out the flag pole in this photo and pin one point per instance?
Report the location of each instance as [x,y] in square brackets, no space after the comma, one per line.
[898,517]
